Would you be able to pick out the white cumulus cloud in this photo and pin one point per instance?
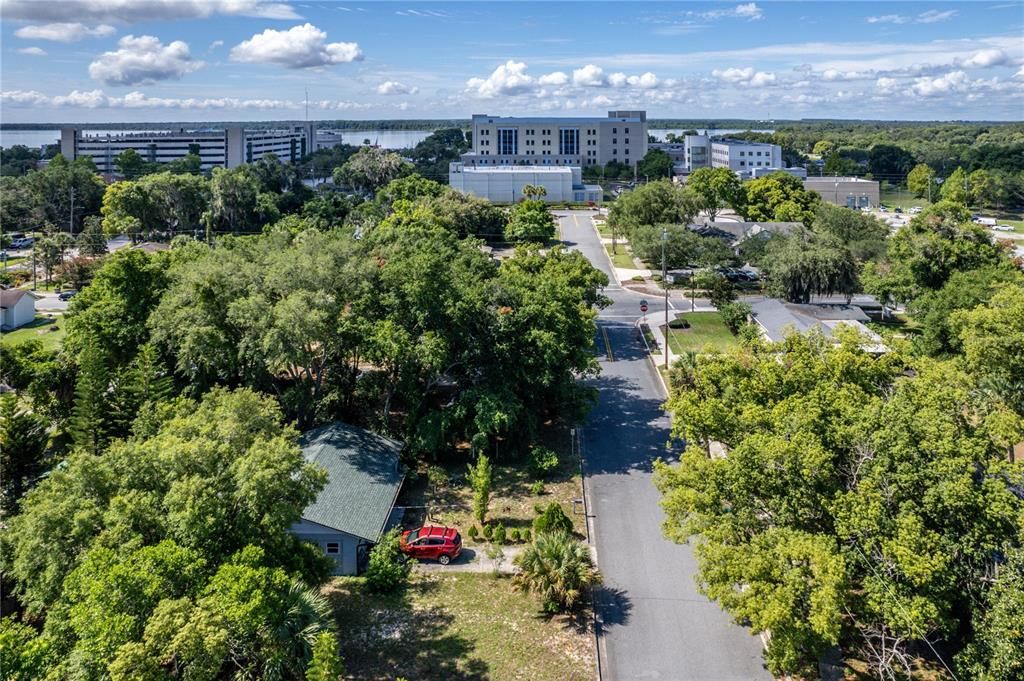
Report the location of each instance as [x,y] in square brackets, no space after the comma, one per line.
[133,11]
[509,78]
[33,51]
[745,76]
[63,32]
[954,81]
[985,58]
[143,60]
[557,78]
[300,47]
[393,87]
[589,76]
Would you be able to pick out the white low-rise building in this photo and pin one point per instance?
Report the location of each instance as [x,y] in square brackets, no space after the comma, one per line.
[17,308]
[504,184]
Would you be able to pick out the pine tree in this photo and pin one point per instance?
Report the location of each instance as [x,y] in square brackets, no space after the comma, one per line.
[23,440]
[89,419]
[325,664]
[137,387]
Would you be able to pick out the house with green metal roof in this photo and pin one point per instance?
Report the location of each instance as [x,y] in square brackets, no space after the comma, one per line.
[353,510]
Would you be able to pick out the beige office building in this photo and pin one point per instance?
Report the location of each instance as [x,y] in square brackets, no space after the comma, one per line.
[852,192]
[502,140]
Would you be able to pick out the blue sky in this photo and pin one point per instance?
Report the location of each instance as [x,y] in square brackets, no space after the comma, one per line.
[160,60]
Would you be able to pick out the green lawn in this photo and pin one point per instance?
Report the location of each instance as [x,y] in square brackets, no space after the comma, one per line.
[620,257]
[706,329]
[457,625]
[902,199]
[14,260]
[603,229]
[38,329]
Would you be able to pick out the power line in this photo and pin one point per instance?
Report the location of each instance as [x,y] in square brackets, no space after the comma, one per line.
[899,605]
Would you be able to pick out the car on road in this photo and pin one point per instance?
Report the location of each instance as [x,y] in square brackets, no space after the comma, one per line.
[25,242]
[898,209]
[1003,228]
[432,542]
[915,210]
[66,295]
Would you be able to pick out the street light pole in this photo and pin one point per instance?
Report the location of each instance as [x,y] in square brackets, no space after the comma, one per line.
[664,283]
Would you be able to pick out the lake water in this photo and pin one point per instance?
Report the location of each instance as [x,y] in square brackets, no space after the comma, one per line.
[389,139]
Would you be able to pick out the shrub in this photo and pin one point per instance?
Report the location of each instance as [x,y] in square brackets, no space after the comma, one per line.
[472,532]
[499,536]
[542,462]
[524,534]
[481,476]
[388,570]
[513,536]
[557,568]
[679,323]
[530,221]
[734,315]
[537,488]
[551,519]
[488,532]
[437,476]
[326,664]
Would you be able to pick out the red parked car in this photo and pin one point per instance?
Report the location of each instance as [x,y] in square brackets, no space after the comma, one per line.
[442,544]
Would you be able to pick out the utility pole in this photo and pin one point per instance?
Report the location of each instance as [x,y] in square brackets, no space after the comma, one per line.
[664,283]
[33,264]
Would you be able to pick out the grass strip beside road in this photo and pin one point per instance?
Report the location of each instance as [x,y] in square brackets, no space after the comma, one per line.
[706,330]
[620,257]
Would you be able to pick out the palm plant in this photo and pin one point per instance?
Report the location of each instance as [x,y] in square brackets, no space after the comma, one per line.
[534,191]
[557,568]
[305,614]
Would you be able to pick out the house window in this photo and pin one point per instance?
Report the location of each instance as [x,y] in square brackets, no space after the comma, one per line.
[333,548]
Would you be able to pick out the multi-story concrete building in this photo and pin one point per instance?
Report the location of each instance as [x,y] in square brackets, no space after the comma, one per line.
[704,151]
[742,157]
[698,151]
[502,140]
[228,148]
[505,183]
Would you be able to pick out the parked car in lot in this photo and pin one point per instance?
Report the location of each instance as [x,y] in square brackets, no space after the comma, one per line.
[66,295]
[25,242]
[915,210]
[432,542]
[898,209]
[1003,228]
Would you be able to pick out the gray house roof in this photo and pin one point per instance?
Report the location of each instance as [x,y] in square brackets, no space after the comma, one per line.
[777,318]
[739,231]
[9,297]
[364,476]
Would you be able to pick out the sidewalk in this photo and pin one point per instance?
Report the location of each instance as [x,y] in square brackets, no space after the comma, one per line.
[625,274]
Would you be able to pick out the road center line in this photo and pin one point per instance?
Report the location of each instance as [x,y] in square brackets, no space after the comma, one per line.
[607,344]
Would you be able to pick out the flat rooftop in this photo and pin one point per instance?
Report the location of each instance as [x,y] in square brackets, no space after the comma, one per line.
[555,120]
[733,140]
[826,179]
[515,169]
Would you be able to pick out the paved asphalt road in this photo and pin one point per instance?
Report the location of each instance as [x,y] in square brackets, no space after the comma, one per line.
[655,624]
